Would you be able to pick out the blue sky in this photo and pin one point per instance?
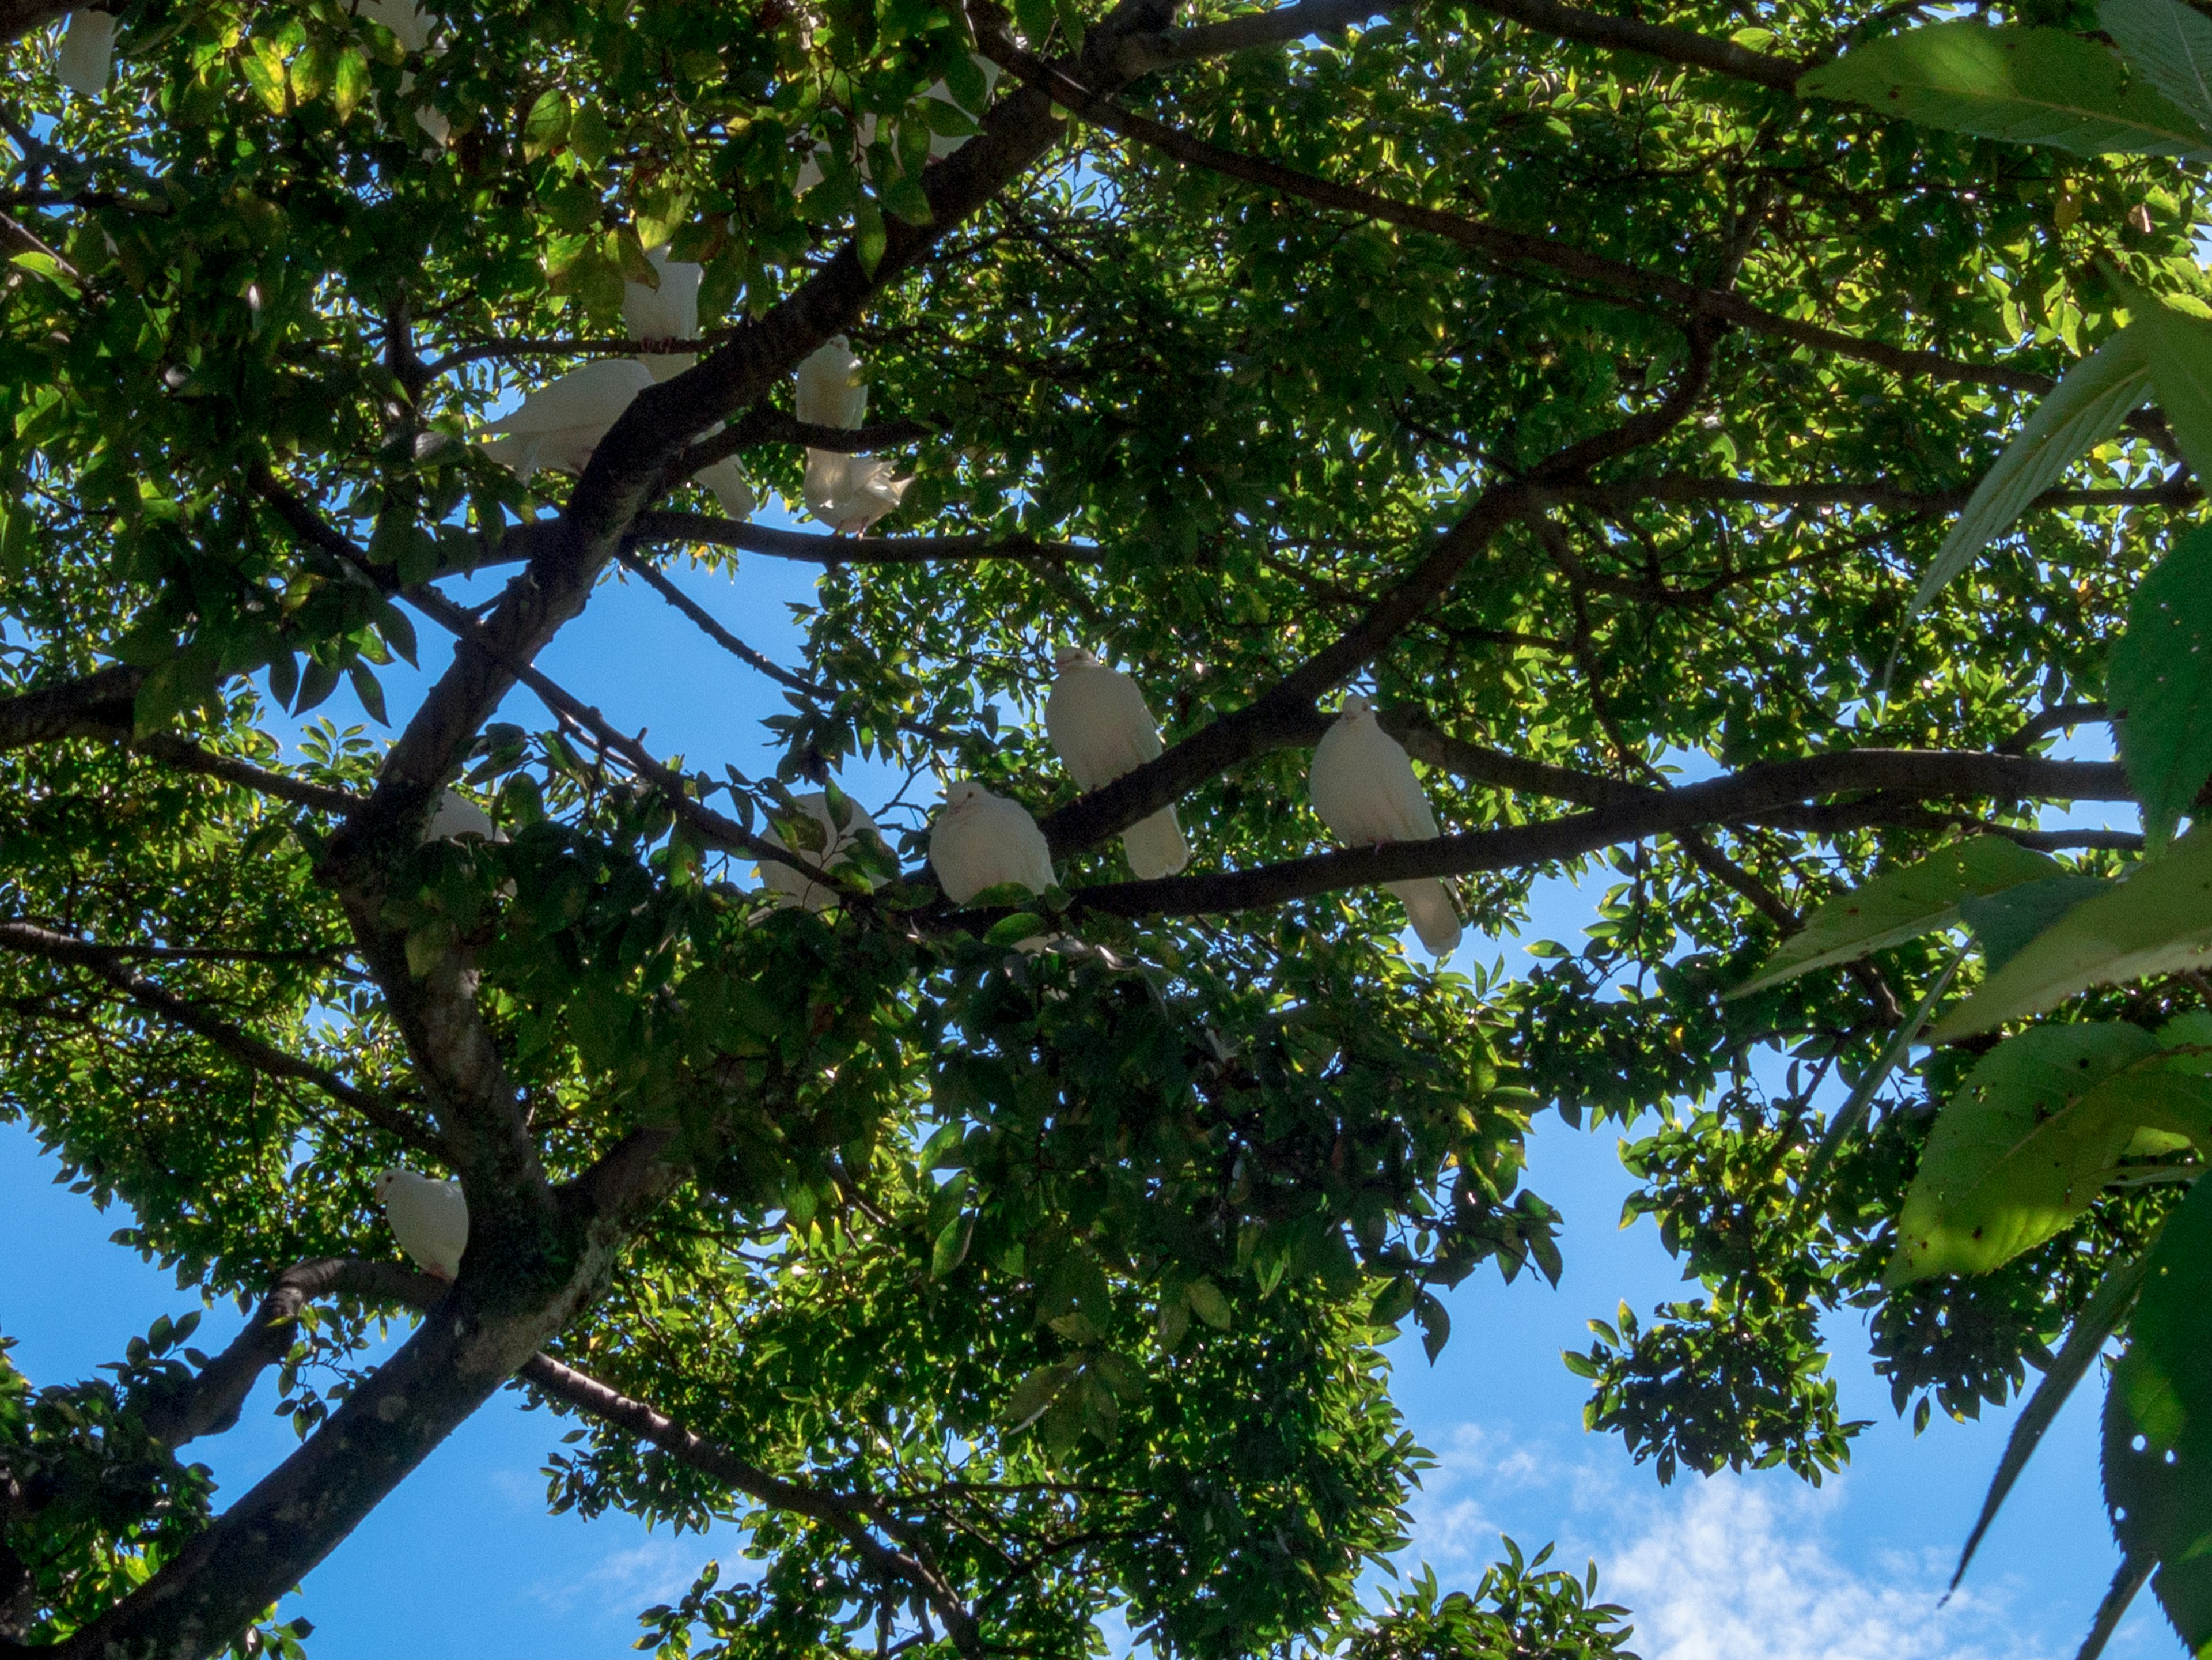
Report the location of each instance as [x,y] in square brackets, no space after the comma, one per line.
[464,1559]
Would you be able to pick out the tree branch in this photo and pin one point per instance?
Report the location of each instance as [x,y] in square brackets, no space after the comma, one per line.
[1674,45]
[662,527]
[112,965]
[1932,775]
[846,1517]
[1145,52]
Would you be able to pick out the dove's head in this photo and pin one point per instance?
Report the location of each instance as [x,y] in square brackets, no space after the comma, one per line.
[965,794]
[1354,706]
[387,1180]
[1073,657]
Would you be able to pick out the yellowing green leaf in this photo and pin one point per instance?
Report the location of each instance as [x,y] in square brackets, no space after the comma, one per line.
[2160,685]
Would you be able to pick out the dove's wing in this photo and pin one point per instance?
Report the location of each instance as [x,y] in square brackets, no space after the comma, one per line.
[727,480]
[1019,851]
[430,1221]
[88,50]
[827,395]
[596,395]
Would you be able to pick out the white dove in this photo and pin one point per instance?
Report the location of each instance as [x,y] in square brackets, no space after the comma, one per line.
[455,817]
[979,840]
[427,1217]
[411,28]
[669,311]
[1097,719]
[848,493]
[560,424]
[792,887]
[727,480]
[1362,786]
[87,52]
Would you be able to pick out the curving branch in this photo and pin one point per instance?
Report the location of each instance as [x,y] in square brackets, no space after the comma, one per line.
[1673,45]
[19,18]
[1925,774]
[100,705]
[1282,24]
[112,964]
[663,526]
[848,1517]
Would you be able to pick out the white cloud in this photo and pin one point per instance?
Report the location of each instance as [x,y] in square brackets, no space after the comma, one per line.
[1729,1569]
[1732,1568]
[656,1569]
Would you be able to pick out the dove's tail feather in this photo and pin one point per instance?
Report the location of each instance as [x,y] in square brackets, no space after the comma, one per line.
[1155,845]
[1431,908]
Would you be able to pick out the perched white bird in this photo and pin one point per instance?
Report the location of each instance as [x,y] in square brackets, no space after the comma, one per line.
[942,145]
[830,391]
[427,1217]
[848,493]
[560,424]
[457,817]
[979,840]
[791,887]
[87,50]
[1097,719]
[404,18]
[669,311]
[727,480]
[1362,786]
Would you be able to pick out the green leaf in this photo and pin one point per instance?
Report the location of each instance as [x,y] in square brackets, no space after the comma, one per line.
[2019,1151]
[2099,1318]
[2029,86]
[2082,411]
[2180,347]
[351,84]
[1901,904]
[1034,1395]
[2160,683]
[2158,1420]
[546,125]
[950,1249]
[2170,46]
[2006,921]
[869,234]
[1013,930]
[1208,1303]
[263,63]
[366,687]
[1853,1112]
[2160,919]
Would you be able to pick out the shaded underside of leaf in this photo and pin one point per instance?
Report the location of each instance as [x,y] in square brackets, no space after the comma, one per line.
[2170,46]
[2157,922]
[1901,904]
[2160,682]
[2030,86]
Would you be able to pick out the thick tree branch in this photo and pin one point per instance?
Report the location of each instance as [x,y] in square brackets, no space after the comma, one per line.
[1281,714]
[661,526]
[100,705]
[113,966]
[1145,52]
[19,18]
[219,1393]
[1927,774]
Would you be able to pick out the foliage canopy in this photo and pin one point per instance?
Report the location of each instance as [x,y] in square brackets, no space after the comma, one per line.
[1596,393]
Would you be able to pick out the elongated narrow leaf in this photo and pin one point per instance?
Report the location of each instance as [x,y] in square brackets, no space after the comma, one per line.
[1853,1112]
[2099,1318]
[2004,922]
[2170,46]
[2179,348]
[2032,86]
[2161,681]
[2083,410]
[1901,904]
[2158,1421]
[2019,1151]
[2157,922]
[2127,1579]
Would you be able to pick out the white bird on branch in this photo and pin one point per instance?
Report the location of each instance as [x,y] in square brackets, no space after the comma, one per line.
[1099,721]
[941,144]
[560,424]
[793,887]
[1362,786]
[87,50]
[848,493]
[980,841]
[427,1217]
[669,311]
[457,817]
